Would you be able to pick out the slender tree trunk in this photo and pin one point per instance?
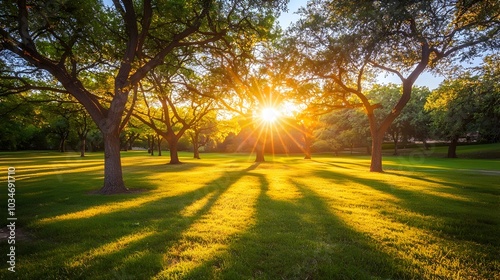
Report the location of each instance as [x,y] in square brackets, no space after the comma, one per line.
[308,154]
[196,150]
[307,147]
[149,144]
[159,140]
[452,148]
[62,145]
[174,154]
[196,144]
[426,145]
[259,152]
[376,151]
[152,148]
[113,177]
[307,141]
[395,137]
[82,147]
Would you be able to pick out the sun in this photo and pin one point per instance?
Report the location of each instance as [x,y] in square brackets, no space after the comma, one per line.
[269,115]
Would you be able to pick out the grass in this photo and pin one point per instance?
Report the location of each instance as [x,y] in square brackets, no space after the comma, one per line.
[226,217]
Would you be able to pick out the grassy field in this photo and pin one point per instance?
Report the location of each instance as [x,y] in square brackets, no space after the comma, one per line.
[226,217]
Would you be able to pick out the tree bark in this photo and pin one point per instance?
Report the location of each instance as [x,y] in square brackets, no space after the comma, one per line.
[174,154]
[152,148]
[377,141]
[307,147]
[195,138]
[196,150]
[259,152]
[62,145]
[159,140]
[113,177]
[82,147]
[426,145]
[395,137]
[307,154]
[452,148]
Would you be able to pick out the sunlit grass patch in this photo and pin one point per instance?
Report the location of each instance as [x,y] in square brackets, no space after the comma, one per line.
[107,249]
[230,214]
[226,217]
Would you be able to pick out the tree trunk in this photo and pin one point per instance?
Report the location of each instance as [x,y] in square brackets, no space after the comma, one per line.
[259,152]
[149,144]
[113,177]
[196,144]
[62,144]
[452,148]
[159,140]
[307,147]
[152,148]
[308,154]
[376,151]
[174,155]
[395,137]
[82,147]
[426,145]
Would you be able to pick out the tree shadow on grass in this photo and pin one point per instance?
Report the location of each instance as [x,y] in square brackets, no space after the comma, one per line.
[450,180]
[298,239]
[448,220]
[343,165]
[129,241]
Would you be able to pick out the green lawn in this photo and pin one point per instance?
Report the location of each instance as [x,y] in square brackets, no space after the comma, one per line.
[226,217]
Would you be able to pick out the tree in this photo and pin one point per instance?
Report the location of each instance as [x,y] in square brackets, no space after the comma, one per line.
[181,106]
[21,126]
[83,125]
[202,131]
[346,128]
[346,42]
[125,42]
[488,113]
[411,122]
[467,105]
[248,81]
[452,107]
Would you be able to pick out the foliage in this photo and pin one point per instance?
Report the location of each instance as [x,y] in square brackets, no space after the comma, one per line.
[121,45]
[345,128]
[467,107]
[413,122]
[452,107]
[344,43]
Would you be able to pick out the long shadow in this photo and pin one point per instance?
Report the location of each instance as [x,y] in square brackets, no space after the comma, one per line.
[452,219]
[141,232]
[298,239]
[448,181]
[342,165]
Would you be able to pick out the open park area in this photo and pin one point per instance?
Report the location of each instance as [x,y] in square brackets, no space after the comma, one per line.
[227,217]
[249,139]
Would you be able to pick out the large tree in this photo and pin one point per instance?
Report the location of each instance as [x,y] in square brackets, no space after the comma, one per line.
[411,122]
[348,42]
[250,81]
[181,107]
[123,42]
[465,106]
